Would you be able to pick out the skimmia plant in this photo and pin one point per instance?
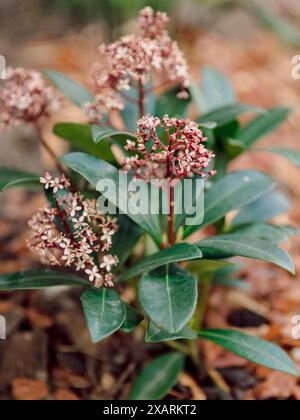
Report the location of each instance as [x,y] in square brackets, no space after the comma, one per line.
[144,79]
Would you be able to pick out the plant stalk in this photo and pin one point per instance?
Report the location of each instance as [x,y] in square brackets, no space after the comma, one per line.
[204,290]
[171,217]
[48,149]
[141,101]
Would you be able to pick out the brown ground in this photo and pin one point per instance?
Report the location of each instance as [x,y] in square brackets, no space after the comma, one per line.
[48,353]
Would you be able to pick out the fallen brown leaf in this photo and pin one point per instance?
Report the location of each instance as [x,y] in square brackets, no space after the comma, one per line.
[29,389]
[65,395]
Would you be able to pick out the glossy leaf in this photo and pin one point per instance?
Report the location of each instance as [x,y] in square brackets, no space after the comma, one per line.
[263,209]
[126,238]
[154,334]
[132,319]
[94,170]
[100,133]
[179,252]
[228,113]
[270,233]
[40,279]
[157,378]
[233,191]
[216,90]
[289,230]
[263,125]
[168,103]
[168,296]
[104,312]
[80,137]
[91,168]
[70,88]
[224,246]
[10,178]
[251,348]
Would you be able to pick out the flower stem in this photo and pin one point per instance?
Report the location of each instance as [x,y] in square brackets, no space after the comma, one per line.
[178,346]
[171,218]
[202,302]
[49,150]
[141,101]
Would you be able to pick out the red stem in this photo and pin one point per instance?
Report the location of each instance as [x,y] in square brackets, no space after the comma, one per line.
[141,101]
[171,202]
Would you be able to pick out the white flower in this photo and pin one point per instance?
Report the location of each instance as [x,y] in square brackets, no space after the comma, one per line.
[46,180]
[108,262]
[93,274]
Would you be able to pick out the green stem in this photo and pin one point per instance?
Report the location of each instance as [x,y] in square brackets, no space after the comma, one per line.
[194,354]
[179,347]
[202,302]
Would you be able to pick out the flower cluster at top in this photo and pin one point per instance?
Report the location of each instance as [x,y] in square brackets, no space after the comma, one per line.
[181,155]
[73,234]
[24,97]
[131,60]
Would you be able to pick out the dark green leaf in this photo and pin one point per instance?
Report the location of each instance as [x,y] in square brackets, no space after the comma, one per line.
[224,246]
[263,125]
[155,334]
[125,239]
[168,103]
[251,348]
[168,296]
[208,125]
[71,89]
[39,279]
[217,90]
[10,178]
[100,133]
[104,312]
[289,230]
[265,208]
[95,170]
[132,319]
[80,137]
[225,114]
[231,192]
[157,378]
[179,252]
[206,267]
[264,231]
[227,277]
[233,147]
[91,168]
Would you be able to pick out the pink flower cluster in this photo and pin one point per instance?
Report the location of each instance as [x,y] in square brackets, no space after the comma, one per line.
[131,60]
[25,97]
[181,155]
[73,234]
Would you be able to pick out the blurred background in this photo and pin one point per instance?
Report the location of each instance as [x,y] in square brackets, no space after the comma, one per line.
[252,42]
